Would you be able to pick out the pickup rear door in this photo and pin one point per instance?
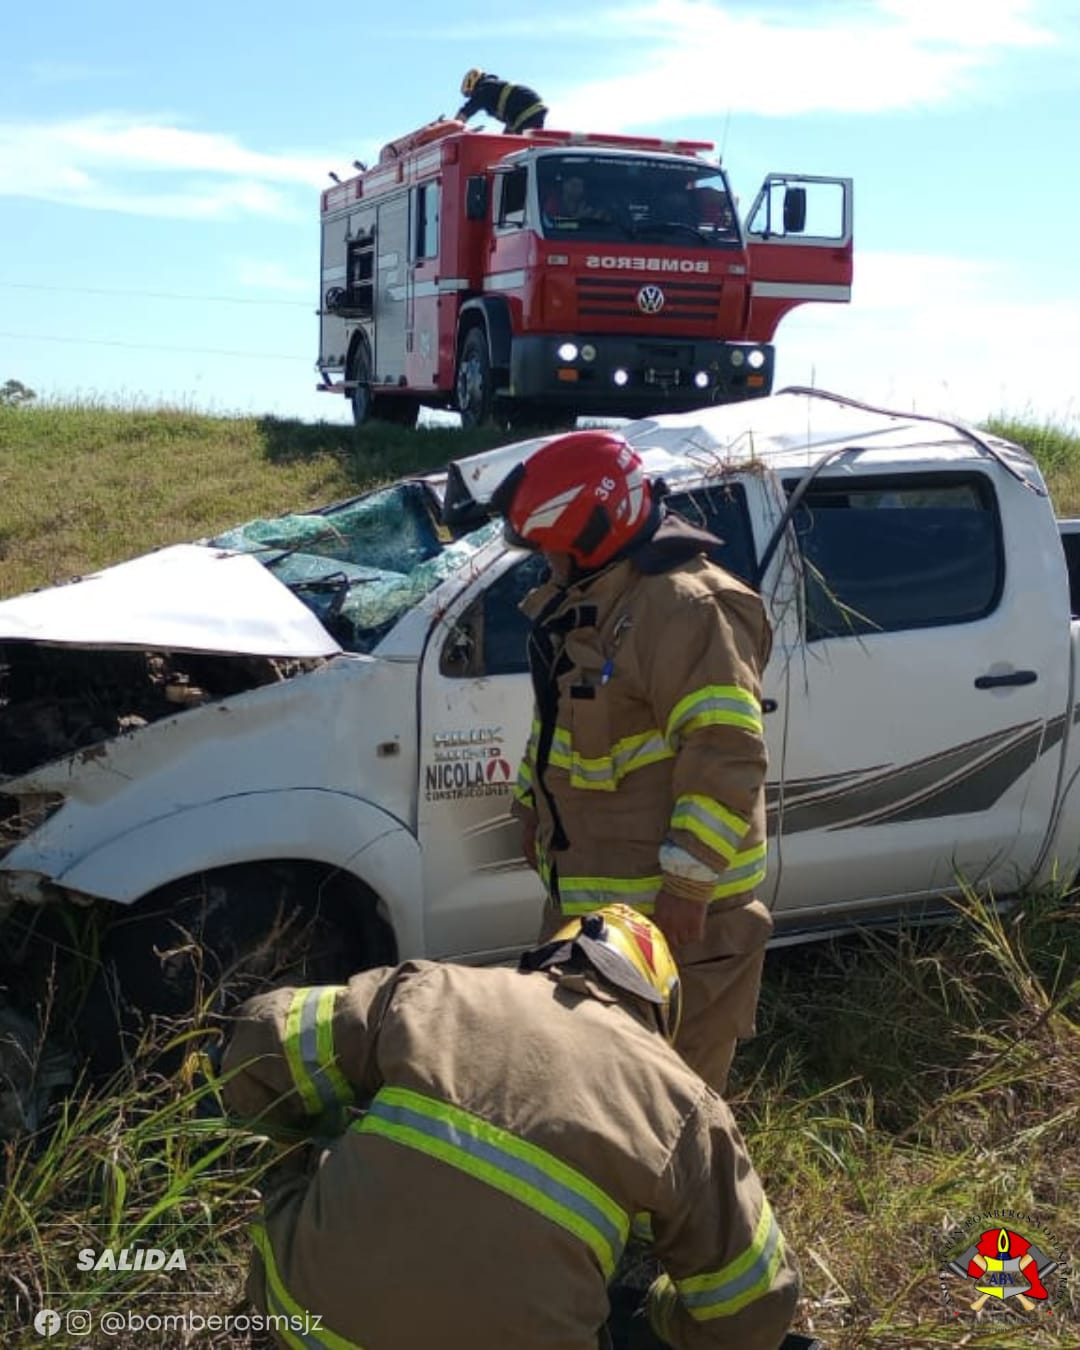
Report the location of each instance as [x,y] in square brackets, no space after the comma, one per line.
[799,240]
[927,688]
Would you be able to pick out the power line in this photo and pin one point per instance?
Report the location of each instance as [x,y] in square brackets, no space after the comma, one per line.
[150,347]
[154,295]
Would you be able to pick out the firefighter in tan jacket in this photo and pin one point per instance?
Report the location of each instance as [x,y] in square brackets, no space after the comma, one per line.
[644,777]
[516,1122]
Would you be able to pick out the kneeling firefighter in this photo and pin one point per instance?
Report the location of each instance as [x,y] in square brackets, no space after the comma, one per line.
[513,1125]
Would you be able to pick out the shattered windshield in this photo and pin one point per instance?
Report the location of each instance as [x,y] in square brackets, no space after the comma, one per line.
[361,565]
[597,197]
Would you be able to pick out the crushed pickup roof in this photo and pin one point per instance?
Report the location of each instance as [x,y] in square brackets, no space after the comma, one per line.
[786,433]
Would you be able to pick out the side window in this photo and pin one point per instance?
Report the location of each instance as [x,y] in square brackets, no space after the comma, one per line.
[512,197]
[722,511]
[885,554]
[490,638]
[1070,542]
[426,225]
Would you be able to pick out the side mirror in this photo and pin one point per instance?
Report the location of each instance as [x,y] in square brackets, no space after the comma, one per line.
[476,197]
[794,210]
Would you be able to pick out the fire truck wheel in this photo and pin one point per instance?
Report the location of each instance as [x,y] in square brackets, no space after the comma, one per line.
[474,380]
[361,394]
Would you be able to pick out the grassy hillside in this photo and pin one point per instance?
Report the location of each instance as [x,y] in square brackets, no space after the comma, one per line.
[899,1084]
[82,487]
[85,486]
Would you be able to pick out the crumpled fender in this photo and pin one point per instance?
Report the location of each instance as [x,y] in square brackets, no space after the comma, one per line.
[306,823]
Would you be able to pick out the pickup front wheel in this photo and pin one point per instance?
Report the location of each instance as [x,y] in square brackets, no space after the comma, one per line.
[187,954]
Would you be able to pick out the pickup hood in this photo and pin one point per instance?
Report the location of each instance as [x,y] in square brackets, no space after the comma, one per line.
[188,598]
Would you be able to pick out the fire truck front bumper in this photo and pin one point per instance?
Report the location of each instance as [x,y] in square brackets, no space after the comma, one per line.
[634,375]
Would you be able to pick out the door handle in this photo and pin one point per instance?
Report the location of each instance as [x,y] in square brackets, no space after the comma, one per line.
[1013,678]
[769,705]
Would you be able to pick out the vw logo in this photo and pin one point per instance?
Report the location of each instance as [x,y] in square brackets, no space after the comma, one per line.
[650,299]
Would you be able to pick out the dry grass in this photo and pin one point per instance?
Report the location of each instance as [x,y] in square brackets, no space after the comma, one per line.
[900,1084]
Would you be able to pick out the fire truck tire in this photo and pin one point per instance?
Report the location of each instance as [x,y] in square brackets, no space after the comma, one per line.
[361,396]
[473,386]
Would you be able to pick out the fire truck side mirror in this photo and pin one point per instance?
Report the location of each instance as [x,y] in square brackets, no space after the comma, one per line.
[476,197]
[794,210]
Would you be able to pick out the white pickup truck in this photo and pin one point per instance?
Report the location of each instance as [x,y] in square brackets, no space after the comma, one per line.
[330,707]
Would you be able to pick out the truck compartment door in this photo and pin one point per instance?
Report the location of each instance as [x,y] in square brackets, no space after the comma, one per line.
[799,239]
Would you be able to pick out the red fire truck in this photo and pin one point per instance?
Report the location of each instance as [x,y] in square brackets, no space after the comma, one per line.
[544,275]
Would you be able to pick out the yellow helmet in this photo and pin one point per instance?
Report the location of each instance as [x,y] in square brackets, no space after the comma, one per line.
[471,80]
[628,950]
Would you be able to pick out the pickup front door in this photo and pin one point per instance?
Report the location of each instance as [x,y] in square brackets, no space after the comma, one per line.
[475,714]
[925,705]
[799,238]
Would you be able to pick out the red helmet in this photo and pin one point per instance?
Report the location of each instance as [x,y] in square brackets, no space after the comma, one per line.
[584,494]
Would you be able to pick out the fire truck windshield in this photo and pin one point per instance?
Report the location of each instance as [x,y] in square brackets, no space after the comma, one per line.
[634,197]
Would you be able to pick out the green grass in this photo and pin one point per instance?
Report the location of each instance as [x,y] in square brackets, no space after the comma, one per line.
[898,1085]
[1057,450]
[83,486]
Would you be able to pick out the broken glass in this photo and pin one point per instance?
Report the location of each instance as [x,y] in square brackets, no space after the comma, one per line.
[359,566]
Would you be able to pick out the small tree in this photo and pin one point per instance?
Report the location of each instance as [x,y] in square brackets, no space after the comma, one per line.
[13,394]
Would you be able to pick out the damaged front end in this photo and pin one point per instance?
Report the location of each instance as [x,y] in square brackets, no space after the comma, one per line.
[66,703]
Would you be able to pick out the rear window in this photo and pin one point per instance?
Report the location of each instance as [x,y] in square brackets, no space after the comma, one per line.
[885,554]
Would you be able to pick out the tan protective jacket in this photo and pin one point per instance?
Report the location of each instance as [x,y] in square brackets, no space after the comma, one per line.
[516,1124]
[646,764]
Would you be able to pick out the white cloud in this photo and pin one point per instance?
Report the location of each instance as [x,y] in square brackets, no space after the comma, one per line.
[145,167]
[704,59]
[695,58]
[938,334]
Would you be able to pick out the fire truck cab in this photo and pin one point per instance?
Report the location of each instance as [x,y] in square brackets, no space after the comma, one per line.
[551,274]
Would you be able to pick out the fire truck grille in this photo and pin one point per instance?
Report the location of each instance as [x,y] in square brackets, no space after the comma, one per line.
[636,297]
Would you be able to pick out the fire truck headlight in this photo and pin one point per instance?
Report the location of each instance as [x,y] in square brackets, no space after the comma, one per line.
[620,377]
[756,360]
[588,352]
[568,351]
[701,379]
[737,358]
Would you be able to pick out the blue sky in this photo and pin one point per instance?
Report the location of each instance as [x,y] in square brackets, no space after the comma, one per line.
[160,169]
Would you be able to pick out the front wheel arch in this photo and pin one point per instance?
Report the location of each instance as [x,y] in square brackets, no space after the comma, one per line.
[192,950]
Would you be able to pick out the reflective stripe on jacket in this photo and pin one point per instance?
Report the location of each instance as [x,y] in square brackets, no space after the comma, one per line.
[514,1124]
[648,732]
[512,104]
